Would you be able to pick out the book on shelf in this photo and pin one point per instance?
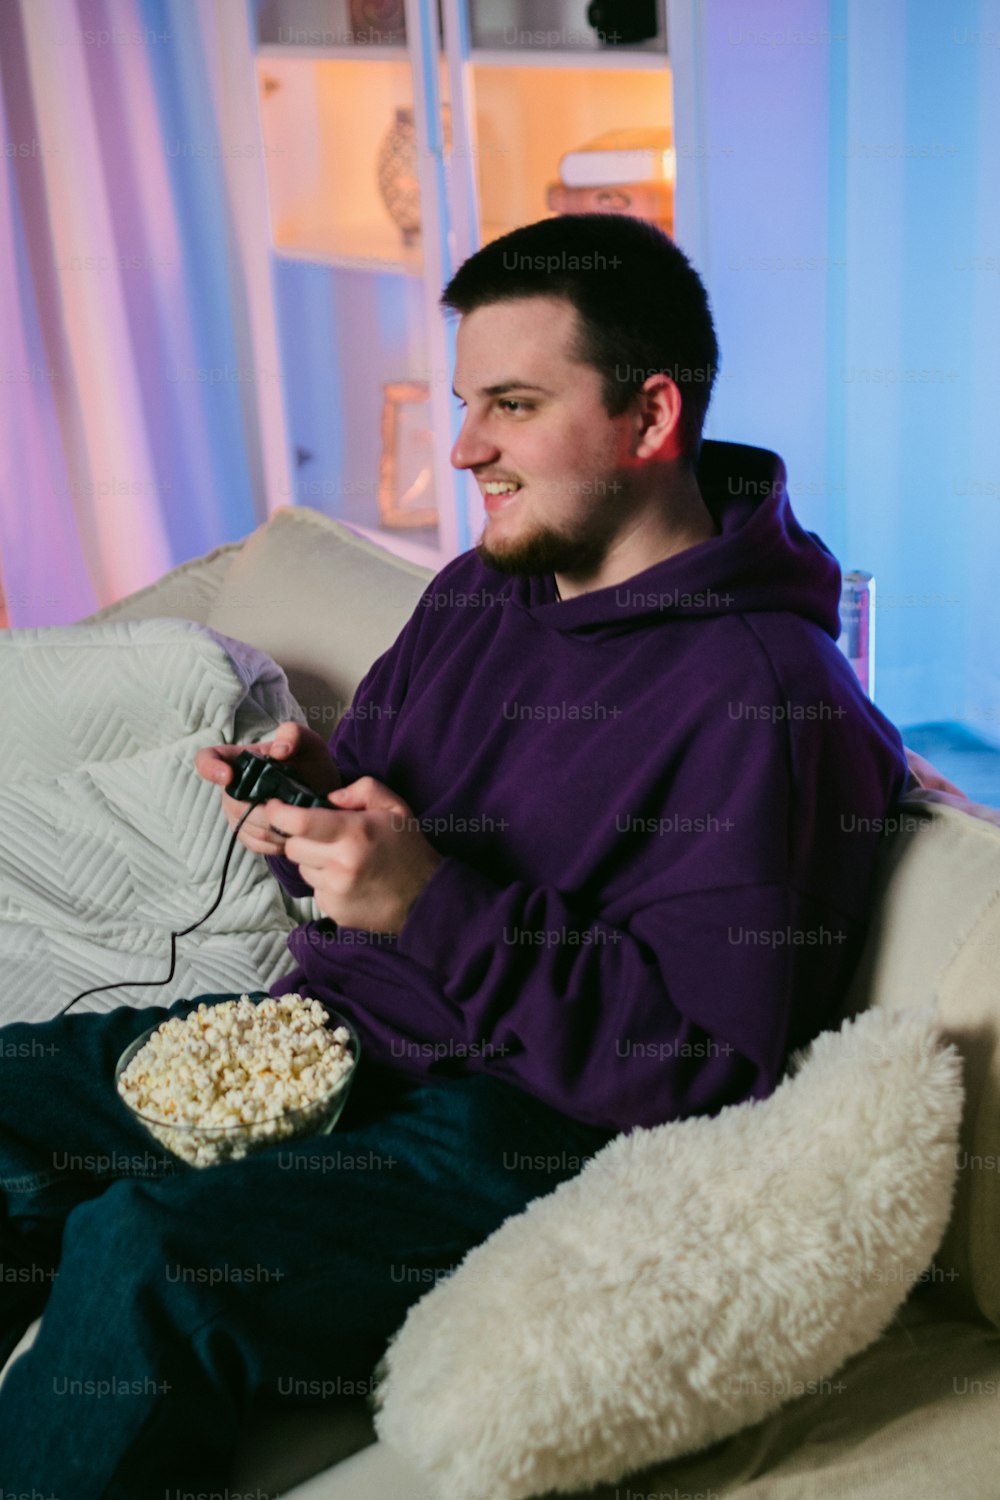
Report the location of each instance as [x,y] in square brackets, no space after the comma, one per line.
[643,200]
[628,156]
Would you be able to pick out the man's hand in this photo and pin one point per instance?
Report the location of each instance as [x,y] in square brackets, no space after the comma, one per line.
[302,750]
[366,860]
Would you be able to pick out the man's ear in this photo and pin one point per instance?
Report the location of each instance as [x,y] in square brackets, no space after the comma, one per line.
[658,419]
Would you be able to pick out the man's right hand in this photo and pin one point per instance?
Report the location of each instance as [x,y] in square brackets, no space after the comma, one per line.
[302,750]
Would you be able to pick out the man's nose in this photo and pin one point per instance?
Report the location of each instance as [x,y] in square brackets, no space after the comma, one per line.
[473,446]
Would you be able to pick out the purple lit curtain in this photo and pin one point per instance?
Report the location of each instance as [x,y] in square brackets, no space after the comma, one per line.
[133,272]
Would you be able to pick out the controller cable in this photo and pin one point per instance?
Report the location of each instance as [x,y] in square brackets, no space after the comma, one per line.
[145,983]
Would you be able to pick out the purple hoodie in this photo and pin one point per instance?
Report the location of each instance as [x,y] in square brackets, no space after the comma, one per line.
[660,805]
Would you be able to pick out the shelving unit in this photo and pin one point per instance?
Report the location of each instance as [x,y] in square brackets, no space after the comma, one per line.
[357,308]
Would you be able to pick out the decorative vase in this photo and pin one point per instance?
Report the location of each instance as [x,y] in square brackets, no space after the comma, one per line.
[398,179]
[398,174]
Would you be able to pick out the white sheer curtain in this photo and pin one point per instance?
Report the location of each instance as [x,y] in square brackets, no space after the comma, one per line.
[134,297]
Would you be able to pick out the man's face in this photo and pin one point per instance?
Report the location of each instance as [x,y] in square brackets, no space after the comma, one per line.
[535,420]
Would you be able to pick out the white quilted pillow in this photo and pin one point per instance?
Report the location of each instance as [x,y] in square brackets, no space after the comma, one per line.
[111,839]
[691,1280]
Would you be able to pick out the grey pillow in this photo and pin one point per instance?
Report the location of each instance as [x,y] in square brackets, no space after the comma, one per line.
[322,601]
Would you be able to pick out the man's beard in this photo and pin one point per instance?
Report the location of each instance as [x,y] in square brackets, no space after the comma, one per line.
[546,551]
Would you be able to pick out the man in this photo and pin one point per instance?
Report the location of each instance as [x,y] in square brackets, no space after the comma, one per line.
[644,763]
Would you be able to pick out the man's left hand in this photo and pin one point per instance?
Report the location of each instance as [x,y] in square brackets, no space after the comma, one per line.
[366,859]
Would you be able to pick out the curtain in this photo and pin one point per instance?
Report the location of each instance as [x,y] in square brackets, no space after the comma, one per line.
[134,298]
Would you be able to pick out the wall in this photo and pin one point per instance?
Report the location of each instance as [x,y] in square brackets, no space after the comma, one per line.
[840,199]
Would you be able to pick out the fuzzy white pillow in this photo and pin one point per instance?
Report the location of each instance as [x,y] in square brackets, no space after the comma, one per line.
[691,1280]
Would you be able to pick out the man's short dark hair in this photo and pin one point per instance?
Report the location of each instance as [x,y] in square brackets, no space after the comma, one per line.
[642,307]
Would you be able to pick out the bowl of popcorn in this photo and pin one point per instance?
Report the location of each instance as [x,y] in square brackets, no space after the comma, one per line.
[233,1077]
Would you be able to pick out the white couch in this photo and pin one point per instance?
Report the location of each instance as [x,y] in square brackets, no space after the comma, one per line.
[919,1412]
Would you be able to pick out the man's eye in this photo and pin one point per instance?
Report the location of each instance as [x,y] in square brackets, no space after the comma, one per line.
[511,402]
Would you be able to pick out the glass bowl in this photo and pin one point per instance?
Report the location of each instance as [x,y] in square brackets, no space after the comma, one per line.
[208,1145]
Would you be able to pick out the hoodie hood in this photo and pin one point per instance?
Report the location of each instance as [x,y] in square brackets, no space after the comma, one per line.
[763,560]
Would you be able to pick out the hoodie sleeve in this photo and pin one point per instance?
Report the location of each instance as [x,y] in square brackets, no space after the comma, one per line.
[360,743]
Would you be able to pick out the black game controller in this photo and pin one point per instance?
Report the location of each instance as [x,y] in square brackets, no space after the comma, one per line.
[256,779]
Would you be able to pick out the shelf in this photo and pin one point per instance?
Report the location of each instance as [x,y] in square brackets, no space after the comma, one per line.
[366,247]
[527,119]
[327,111]
[323,123]
[618,58]
[494,57]
[387,53]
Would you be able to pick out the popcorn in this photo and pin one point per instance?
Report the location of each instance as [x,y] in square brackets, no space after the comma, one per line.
[267,1066]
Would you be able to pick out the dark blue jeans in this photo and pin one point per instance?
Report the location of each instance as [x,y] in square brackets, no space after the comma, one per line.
[176,1299]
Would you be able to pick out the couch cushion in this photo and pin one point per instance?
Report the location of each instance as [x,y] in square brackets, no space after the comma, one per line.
[692,1278]
[913,1416]
[938,936]
[323,601]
